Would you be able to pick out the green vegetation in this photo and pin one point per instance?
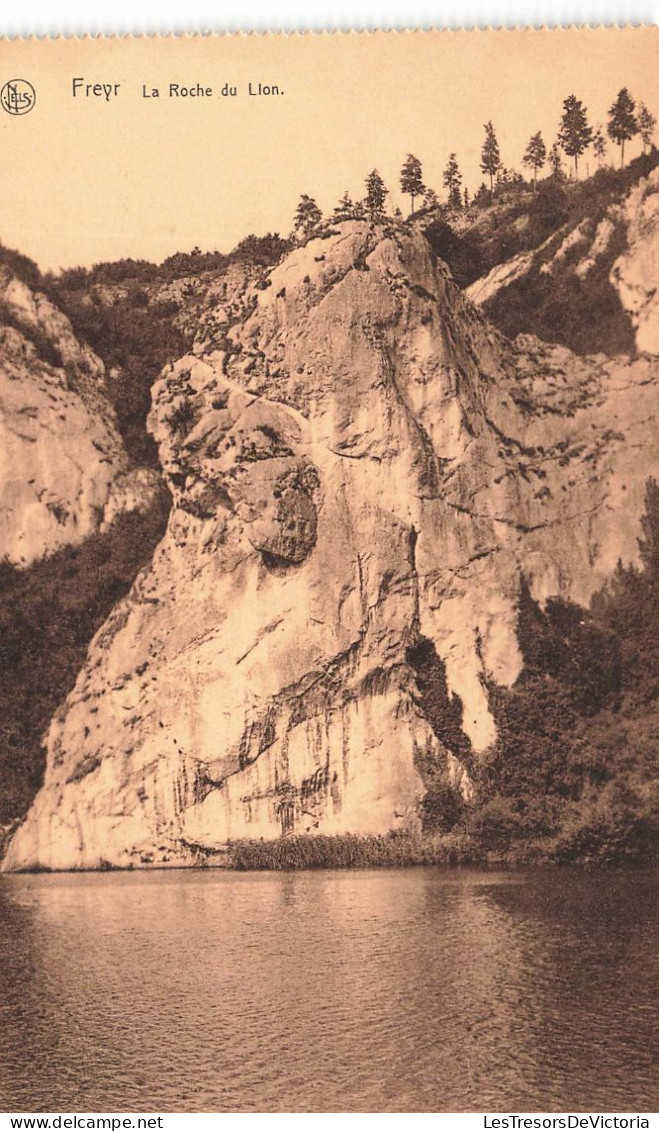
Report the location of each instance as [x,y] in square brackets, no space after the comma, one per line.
[520,221]
[599,145]
[21,266]
[574,773]
[48,615]
[394,850]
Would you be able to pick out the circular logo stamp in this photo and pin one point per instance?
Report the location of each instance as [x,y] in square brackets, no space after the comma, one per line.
[18,96]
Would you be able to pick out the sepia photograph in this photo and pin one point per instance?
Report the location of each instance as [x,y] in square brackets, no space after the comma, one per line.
[329,573]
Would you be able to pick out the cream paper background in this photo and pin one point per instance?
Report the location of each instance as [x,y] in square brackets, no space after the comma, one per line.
[84,180]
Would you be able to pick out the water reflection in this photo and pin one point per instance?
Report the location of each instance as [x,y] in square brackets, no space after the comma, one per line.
[419,990]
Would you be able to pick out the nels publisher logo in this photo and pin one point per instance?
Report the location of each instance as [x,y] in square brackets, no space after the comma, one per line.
[18,96]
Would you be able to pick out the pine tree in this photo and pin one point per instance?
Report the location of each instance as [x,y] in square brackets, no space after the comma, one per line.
[452,179]
[345,209]
[622,121]
[646,125]
[535,156]
[556,161]
[575,135]
[411,178]
[430,199]
[599,144]
[467,200]
[307,215]
[376,194]
[482,197]
[490,156]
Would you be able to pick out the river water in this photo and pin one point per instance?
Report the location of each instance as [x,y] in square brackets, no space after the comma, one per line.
[426,990]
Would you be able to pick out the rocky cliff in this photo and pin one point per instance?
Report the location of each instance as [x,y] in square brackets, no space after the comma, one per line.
[64,473]
[616,250]
[362,469]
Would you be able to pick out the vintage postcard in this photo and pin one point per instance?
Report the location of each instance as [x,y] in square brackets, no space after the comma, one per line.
[329,560]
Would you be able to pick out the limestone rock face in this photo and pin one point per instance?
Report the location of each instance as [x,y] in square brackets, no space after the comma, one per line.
[361,468]
[33,312]
[63,468]
[502,275]
[636,273]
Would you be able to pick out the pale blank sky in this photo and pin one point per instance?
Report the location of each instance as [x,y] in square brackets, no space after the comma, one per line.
[84,179]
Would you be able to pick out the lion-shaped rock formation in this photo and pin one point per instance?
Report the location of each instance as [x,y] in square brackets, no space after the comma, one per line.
[362,471]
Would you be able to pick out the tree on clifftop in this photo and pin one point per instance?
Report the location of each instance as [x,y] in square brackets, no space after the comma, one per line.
[490,156]
[376,194]
[535,156]
[646,125]
[622,121]
[411,178]
[556,162]
[307,215]
[575,135]
[599,145]
[453,181]
[345,209]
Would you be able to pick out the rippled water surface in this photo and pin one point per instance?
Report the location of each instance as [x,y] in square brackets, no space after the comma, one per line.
[419,990]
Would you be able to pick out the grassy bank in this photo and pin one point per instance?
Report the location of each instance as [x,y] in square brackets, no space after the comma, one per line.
[406,849]
[392,850]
